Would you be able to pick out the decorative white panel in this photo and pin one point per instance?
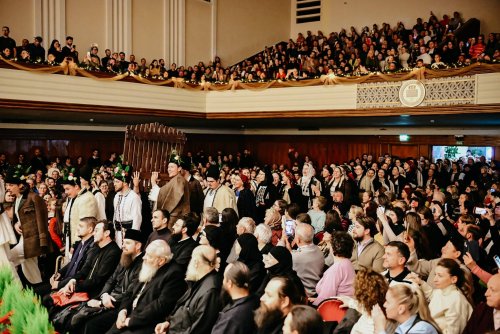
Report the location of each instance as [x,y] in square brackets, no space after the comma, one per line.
[28,86]
[438,92]
[378,95]
[276,99]
[488,88]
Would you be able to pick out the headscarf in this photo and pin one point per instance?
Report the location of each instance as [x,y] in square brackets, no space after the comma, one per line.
[245,180]
[213,235]
[285,263]
[250,253]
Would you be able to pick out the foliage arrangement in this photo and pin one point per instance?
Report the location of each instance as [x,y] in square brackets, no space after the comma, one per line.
[20,310]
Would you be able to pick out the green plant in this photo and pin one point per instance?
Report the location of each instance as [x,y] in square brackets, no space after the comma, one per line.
[21,307]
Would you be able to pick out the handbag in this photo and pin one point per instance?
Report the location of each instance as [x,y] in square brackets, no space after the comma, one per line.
[61,299]
[84,312]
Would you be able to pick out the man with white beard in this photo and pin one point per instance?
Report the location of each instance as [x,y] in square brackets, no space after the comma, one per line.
[161,284]
[198,309]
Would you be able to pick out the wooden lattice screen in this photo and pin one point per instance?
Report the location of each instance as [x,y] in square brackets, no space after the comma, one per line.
[148,147]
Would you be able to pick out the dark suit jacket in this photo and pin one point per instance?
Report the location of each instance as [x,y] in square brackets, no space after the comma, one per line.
[89,252]
[196,195]
[33,216]
[182,251]
[237,318]
[198,309]
[481,320]
[123,280]
[96,271]
[157,299]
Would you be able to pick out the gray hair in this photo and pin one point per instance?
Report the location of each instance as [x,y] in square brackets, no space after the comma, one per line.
[248,224]
[263,233]
[304,232]
[160,249]
[211,215]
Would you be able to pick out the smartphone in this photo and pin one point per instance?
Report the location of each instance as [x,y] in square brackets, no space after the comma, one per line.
[289,228]
[479,211]
[497,260]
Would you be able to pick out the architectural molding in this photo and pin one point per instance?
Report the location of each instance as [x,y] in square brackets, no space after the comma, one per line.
[174,24]
[50,20]
[119,25]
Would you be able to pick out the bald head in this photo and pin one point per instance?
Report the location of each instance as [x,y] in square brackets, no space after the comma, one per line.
[205,254]
[493,292]
[203,261]
[305,233]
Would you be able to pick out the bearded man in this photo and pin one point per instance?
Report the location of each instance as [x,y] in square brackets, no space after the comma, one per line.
[125,276]
[198,309]
[280,295]
[160,285]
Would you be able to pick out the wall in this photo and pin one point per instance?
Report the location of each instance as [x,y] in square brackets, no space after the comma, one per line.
[266,149]
[198,31]
[85,22]
[148,34]
[358,13]
[246,27]
[10,13]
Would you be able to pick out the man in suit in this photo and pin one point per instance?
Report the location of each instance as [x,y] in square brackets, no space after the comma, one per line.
[161,284]
[96,270]
[196,195]
[30,217]
[123,280]
[83,249]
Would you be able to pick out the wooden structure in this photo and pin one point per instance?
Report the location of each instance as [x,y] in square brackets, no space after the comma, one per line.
[148,147]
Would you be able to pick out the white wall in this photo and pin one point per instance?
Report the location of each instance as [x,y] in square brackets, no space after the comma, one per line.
[338,14]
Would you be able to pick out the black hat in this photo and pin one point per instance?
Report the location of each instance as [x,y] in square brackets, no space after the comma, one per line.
[17,175]
[175,159]
[135,235]
[213,172]
[185,164]
[70,177]
[213,235]
[86,173]
[72,180]
[12,179]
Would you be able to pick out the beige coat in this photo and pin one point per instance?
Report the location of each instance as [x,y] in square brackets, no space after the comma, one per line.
[370,257]
[84,205]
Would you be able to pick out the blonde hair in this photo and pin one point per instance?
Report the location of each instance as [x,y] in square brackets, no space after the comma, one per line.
[415,301]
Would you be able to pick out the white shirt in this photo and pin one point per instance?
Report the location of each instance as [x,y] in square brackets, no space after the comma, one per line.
[128,207]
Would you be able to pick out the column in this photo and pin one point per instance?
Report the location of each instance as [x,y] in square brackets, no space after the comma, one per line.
[50,21]
[174,31]
[119,26]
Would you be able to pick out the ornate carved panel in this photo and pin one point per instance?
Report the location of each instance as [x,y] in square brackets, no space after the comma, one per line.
[438,92]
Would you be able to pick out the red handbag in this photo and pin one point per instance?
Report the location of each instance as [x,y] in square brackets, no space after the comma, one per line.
[61,299]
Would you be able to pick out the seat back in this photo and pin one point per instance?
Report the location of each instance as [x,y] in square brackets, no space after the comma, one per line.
[330,310]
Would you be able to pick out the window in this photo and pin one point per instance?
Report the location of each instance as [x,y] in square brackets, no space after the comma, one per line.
[308,11]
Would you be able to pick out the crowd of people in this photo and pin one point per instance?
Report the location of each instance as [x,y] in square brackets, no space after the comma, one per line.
[227,245]
[387,49]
